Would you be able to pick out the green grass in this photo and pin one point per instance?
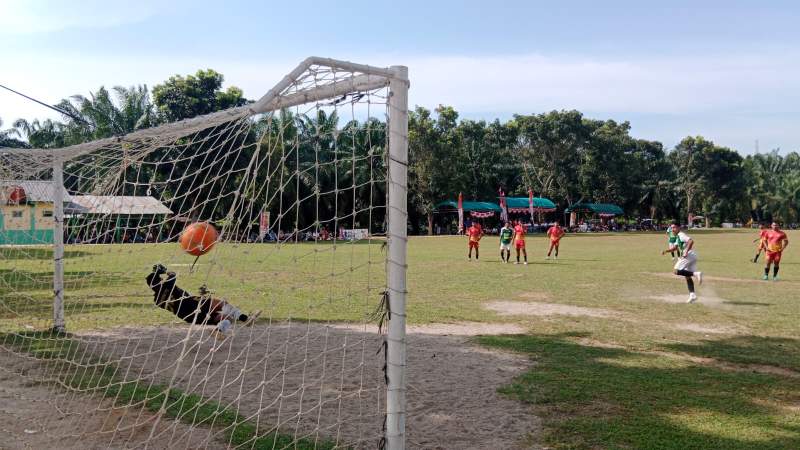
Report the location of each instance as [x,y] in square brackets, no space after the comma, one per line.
[638,378]
[593,396]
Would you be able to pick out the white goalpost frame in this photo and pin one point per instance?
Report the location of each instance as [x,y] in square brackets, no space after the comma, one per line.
[396,78]
[59,324]
[397,235]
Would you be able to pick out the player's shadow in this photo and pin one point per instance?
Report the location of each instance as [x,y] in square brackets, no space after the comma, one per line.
[594,391]
[734,303]
[17,253]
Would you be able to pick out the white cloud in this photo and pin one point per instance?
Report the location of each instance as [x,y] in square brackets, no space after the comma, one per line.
[42,16]
[670,85]
[686,89]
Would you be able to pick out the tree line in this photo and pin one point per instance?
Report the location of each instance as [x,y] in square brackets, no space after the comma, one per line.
[562,155]
[570,158]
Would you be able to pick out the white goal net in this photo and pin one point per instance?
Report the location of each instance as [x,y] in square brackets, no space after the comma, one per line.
[235,280]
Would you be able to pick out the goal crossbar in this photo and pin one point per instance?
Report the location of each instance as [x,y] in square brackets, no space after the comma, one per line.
[370,78]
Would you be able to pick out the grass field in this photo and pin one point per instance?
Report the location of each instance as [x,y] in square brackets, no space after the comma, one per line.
[620,362]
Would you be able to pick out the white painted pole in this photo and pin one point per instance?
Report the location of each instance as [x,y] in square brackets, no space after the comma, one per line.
[397,235]
[58,246]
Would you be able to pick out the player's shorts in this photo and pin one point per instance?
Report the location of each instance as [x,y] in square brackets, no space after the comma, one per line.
[506,246]
[687,263]
[555,241]
[519,245]
[762,244]
[774,257]
[230,312]
[474,244]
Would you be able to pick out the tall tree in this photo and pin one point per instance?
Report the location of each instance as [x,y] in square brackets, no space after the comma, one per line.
[431,143]
[194,95]
[688,158]
[8,139]
[549,148]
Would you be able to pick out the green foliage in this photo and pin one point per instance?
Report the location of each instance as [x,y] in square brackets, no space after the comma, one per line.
[7,139]
[559,154]
[194,95]
[773,186]
[710,178]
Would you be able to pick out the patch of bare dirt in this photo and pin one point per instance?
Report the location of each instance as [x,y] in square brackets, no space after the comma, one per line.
[450,329]
[323,381]
[466,329]
[704,297]
[36,415]
[507,308]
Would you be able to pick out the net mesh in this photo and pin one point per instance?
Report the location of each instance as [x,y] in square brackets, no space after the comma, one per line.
[286,353]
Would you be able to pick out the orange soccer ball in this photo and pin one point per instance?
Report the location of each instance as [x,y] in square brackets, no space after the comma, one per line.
[199,238]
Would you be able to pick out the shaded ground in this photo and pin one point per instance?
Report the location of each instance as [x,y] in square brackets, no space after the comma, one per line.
[605,396]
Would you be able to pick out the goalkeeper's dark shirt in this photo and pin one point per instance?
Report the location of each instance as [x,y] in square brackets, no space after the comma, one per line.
[179,302]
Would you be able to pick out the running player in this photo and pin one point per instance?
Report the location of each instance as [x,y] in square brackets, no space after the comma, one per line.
[506,236]
[762,242]
[776,242]
[474,234]
[686,266]
[555,233]
[519,241]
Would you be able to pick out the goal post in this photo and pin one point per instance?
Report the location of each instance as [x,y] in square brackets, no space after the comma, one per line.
[396,264]
[307,190]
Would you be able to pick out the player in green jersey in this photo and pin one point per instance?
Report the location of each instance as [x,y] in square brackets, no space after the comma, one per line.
[506,236]
[672,241]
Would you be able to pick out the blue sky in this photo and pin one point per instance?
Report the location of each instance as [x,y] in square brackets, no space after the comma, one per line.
[727,70]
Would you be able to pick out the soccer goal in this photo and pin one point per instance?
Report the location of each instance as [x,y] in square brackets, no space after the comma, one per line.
[279,324]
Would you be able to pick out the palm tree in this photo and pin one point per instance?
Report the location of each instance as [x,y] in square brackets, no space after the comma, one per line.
[45,134]
[99,116]
[6,139]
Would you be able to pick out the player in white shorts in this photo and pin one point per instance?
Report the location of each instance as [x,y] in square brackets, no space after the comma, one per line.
[506,236]
[686,266]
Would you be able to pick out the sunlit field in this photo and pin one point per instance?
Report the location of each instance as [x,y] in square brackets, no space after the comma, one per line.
[620,361]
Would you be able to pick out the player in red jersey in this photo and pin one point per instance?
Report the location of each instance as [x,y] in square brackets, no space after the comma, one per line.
[474,235]
[555,233]
[519,241]
[776,242]
[762,243]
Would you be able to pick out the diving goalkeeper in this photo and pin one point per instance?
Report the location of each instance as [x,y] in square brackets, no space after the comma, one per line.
[202,310]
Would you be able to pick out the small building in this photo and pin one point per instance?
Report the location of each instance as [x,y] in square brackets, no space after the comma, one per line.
[27,208]
[521,206]
[26,212]
[478,210]
[118,218]
[604,211]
